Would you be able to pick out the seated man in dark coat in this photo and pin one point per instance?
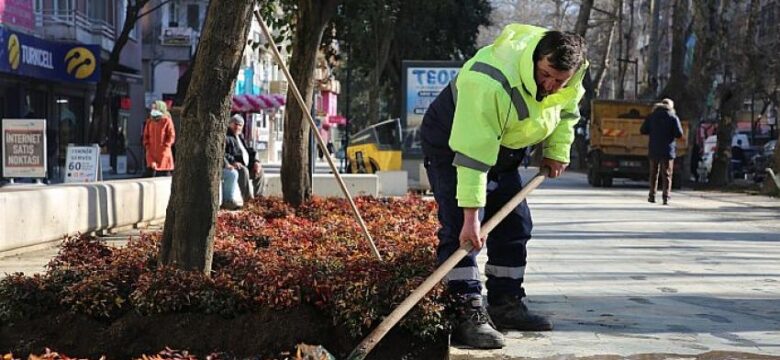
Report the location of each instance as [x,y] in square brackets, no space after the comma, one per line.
[242,158]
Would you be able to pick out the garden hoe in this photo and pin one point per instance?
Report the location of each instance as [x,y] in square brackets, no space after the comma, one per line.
[362,350]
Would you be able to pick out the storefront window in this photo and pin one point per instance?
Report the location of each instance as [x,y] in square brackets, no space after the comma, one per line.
[69,122]
[34,105]
[101,10]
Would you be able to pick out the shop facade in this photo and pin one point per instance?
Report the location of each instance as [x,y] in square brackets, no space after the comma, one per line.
[55,81]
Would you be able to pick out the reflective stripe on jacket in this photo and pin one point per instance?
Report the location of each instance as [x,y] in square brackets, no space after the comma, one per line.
[495,97]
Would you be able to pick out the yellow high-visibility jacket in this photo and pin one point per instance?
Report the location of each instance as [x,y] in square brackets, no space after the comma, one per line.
[495,105]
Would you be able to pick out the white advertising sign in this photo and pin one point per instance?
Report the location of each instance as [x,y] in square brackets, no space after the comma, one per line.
[81,163]
[423,85]
[24,148]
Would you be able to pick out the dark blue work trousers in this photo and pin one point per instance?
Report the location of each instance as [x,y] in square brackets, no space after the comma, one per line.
[506,244]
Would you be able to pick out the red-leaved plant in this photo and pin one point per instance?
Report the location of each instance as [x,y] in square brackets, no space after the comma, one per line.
[267,255]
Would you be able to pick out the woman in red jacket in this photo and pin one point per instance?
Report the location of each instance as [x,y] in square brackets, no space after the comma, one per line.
[159,136]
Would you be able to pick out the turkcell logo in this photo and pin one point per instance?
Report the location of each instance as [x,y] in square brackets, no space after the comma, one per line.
[14,51]
[19,53]
[80,62]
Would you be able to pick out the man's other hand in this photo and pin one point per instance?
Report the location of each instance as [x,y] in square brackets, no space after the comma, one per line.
[471,227]
[556,167]
[256,169]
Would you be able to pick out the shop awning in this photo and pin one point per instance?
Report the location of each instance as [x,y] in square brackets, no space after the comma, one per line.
[255,103]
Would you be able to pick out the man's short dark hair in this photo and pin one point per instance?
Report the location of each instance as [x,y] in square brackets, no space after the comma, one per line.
[566,50]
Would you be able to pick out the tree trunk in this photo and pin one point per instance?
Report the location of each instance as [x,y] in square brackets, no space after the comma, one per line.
[620,88]
[607,51]
[99,126]
[184,83]
[629,46]
[675,86]
[747,75]
[313,16]
[721,162]
[769,183]
[188,236]
[382,53]
[581,27]
[690,92]
[652,61]
[373,97]
[394,77]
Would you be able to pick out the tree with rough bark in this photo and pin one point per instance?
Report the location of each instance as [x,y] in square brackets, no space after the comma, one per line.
[581,27]
[744,65]
[769,184]
[580,144]
[310,18]
[188,235]
[725,49]
[606,51]
[372,26]
[626,43]
[134,11]
[653,53]
[708,22]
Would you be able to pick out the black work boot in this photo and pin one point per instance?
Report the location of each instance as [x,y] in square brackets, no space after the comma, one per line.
[666,200]
[651,198]
[510,313]
[474,327]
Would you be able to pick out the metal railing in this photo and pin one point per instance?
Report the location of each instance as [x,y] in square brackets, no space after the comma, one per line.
[74,20]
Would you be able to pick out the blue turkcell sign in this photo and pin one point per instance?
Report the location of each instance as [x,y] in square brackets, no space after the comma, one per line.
[26,55]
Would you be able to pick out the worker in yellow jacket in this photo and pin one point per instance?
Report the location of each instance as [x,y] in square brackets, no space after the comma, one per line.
[517,92]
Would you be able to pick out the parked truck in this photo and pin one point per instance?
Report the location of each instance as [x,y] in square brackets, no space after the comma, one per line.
[617,149]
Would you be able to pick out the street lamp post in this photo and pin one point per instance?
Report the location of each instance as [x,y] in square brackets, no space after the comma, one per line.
[634,62]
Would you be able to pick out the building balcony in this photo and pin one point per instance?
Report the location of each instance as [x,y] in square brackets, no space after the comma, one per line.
[75,26]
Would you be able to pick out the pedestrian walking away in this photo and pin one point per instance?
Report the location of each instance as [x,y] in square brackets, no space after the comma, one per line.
[663,128]
[517,92]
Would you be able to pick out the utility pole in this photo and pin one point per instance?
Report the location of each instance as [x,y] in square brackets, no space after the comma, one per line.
[347,107]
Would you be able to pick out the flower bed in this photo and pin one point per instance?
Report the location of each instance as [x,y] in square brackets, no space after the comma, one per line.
[279,276]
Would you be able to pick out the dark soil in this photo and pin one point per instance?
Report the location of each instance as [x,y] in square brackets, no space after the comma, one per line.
[265,334]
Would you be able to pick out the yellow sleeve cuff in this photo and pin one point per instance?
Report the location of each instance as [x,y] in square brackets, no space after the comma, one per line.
[558,152]
[471,191]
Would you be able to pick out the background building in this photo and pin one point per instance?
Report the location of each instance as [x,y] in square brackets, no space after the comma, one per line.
[39,39]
